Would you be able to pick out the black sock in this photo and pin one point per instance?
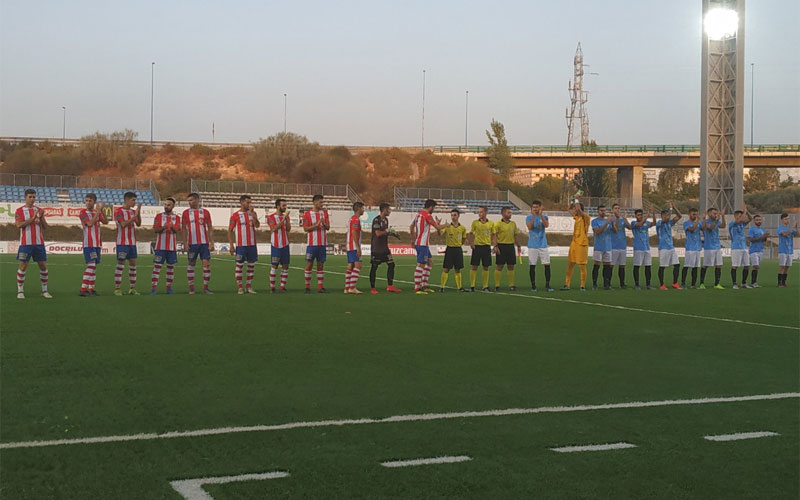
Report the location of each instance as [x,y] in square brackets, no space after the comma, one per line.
[733,275]
[661,275]
[532,273]
[608,271]
[683,275]
[745,272]
[780,279]
[717,275]
[703,276]
[547,275]
[648,274]
[636,275]
[595,272]
[754,277]
[694,276]
[621,275]
[373,274]
[676,269]
[390,274]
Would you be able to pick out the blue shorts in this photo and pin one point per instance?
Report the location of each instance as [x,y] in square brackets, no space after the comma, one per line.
[36,251]
[352,256]
[168,256]
[280,255]
[316,252]
[200,251]
[125,252]
[423,254]
[91,254]
[247,253]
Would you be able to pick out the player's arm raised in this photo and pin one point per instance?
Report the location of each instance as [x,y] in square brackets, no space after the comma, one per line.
[747,213]
[677,215]
[545,220]
[138,218]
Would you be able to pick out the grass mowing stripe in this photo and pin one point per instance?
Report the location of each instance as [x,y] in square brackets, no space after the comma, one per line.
[740,435]
[396,418]
[426,461]
[593,447]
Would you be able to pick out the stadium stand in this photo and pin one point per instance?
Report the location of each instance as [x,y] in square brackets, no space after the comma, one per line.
[465,200]
[73,195]
[67,189]
[264,194]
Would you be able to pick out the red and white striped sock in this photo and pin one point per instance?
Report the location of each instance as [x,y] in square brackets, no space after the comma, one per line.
[426,275]
[43,277]
[118,275]
[190,275]
[156,275]
[272,275]
[20,281]
[417,277]
[284,278]
[320,279]
[251,271]
[237,273]
[170,276]
[92,272]
[206,275]
[354,277]
[88,277]
[347,274]
[131,276]
[308,279]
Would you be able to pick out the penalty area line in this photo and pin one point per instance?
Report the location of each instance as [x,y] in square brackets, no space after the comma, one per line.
[414,417]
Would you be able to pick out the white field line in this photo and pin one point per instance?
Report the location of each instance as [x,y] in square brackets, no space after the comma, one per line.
[740,435]
[594,447]
[418,417]
[192,489]
[426,461]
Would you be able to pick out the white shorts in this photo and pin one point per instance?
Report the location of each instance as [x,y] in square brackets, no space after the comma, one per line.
[599,256]
[740,258]
[755,258]
[712,257]
[785,260]
[619,257]
[692,259]
[668,257]
[642,258]
[538,254]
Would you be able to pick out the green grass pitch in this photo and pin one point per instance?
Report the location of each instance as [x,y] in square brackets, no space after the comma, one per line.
[77,367]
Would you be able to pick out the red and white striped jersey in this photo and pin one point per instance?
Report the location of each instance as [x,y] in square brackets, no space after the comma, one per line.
[32,233]
[280,238]
[91,234]
[422,225]
[167,239]
[242,222]
[197,222]
[354,233]
[125,235]
[318,236]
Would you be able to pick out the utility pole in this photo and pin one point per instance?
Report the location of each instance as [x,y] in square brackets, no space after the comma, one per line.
[423,109]
[152,81]
[466,120]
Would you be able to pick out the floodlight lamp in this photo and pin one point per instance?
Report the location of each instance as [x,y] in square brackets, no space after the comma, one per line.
[721,23]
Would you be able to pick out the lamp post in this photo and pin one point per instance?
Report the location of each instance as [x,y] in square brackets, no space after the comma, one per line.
[152,81]
[466,119]
[423,109]
[64,124]
[284,113]
[752,100]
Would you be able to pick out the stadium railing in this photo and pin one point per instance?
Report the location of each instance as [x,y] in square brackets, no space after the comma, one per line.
[413,198]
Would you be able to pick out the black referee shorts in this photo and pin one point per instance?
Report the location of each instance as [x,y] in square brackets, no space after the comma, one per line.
[507,255]
[379,258]
[453,258]
[481,256]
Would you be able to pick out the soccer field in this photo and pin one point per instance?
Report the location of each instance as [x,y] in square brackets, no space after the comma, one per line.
[335,396]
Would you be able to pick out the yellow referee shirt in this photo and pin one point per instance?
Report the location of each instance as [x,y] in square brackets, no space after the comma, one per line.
[454,236]
[505,232]
[579,236]
[482,231]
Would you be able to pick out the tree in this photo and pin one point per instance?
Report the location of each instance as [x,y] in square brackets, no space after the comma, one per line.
[498,152]
[670,181]
[117,150]
[762,179]
[280,153]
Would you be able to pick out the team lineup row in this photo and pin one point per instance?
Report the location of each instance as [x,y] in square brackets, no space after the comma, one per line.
[485,238]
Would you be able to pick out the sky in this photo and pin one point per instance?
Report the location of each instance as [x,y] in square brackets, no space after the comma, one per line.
[353,71]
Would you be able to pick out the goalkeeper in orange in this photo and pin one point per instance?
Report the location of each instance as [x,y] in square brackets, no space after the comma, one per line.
[579,247]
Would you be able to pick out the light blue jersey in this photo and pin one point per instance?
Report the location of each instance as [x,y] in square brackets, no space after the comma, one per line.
[536,236]
[641,237]
[693,243]
[664,230]
[619,240]
[738,239]
[602,241]
[711,234]
[756,232]
[786,243]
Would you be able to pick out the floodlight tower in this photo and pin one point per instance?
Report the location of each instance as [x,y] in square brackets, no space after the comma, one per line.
[722,106]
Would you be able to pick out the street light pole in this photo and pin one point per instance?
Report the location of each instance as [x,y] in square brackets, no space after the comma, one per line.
[752,100]
[152,81]
[64,124]
[466,120]
[284,113]
[423,109]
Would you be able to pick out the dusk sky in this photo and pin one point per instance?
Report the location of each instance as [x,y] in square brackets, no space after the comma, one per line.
[353,70]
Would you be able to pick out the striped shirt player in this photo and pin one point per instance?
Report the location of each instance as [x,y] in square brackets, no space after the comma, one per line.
[279,224]
[30,220]
[315,223]
[91,219]
[242,239]
[421,231]
[167,225]
[354,250]
[127,219]
[198,241]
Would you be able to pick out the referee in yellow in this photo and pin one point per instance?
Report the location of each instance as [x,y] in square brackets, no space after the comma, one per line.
[480,241]
[454,236]
[579,247]
[504,239]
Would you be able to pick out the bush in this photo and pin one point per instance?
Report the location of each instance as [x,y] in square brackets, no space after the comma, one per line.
[201,150]
[116,150]
[774,202]
[281,153]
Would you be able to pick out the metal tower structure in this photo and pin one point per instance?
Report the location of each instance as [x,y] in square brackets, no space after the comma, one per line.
[722,101]
[578,98]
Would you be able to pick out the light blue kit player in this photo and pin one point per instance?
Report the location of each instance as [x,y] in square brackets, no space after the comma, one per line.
[694,245]
[739,254]
[641,247]
[786,233]
[537,222]
[619,243]
[756,236]
[667,256]
[712,251]
[603,228]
